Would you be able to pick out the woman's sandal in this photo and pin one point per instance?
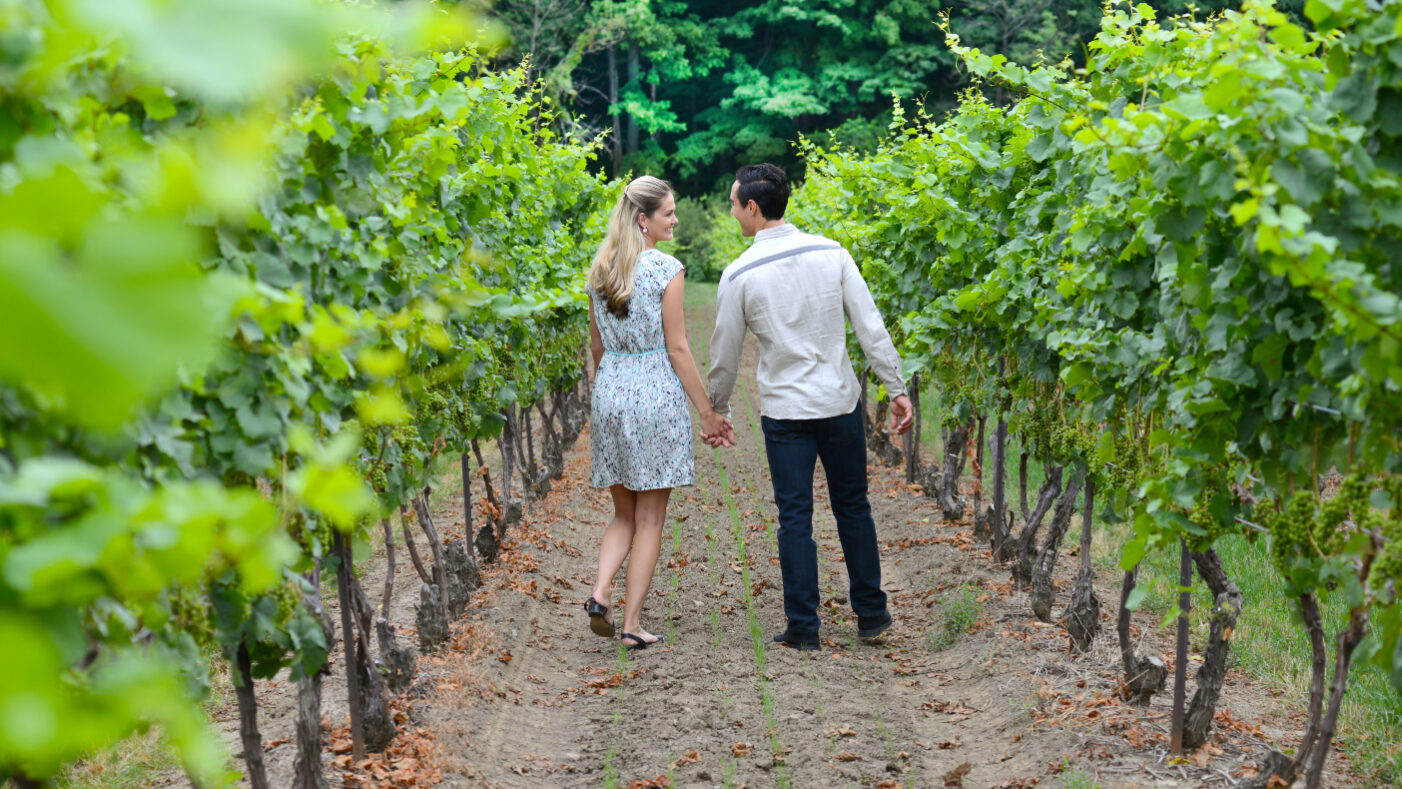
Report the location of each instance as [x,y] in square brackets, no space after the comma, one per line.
[598,618]
[640,642]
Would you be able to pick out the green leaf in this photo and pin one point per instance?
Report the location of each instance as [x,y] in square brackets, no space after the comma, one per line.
[109,329]
[1136,598]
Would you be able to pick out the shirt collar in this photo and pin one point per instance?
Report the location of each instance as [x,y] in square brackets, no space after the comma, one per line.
[786,229]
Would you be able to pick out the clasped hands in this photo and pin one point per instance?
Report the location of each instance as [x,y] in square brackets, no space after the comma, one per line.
[717,430]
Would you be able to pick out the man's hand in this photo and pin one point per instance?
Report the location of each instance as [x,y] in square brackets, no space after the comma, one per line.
[902,415]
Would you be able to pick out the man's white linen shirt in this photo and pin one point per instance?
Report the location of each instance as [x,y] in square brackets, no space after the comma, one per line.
[796,292]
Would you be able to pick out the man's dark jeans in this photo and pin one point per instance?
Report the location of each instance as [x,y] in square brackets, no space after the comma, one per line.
[794,446]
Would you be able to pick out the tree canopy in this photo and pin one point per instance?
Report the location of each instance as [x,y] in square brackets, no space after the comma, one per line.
[689,89]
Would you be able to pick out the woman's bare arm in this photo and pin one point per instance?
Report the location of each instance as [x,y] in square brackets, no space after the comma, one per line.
[679,351]
[596,340]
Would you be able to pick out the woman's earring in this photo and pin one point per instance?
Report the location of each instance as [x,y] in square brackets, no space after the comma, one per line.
[644,231]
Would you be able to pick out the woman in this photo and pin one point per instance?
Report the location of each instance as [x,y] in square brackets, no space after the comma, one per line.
[640,444]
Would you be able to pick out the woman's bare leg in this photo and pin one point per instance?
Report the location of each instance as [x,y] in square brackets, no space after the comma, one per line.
[617,540]
[649,515]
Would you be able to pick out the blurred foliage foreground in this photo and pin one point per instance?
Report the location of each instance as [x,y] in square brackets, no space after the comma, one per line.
[261,266]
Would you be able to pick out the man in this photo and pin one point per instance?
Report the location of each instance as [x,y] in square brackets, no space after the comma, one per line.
[796,291]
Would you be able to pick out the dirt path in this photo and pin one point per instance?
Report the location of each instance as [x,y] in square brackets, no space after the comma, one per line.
[528,697]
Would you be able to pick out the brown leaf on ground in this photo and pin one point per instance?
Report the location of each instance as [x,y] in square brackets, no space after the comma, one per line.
[955,777]
[690,757]
[742,749]
[847,756]
[841,731]
[1228,720]
[951,744]
[1203,756]
[660,782]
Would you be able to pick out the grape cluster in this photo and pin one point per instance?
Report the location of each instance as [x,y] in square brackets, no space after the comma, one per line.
[1292,529]
[1071,440]
[190,611]
[1202,517]
[288,598]
[1126,462]
[314,535]
[1056,437]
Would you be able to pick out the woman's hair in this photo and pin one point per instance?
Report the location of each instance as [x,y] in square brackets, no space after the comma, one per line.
[611,275]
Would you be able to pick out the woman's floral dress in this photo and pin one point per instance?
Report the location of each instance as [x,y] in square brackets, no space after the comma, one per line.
[640,426]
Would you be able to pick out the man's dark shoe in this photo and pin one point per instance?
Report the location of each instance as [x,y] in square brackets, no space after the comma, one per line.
[874,626]
[806,642]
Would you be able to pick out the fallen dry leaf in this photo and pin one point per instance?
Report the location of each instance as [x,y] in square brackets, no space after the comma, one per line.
[955,777]
[690,757]
[742,749]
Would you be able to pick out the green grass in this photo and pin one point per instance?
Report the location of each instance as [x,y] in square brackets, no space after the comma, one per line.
[1076,779]
[958,613]
[134,763]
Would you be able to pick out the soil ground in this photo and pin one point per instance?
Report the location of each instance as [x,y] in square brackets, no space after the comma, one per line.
[527,696]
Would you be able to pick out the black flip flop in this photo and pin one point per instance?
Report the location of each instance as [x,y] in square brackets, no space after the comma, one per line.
[598,618]
[641,644]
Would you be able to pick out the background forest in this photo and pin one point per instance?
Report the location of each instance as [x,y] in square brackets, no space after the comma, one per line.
[689,89]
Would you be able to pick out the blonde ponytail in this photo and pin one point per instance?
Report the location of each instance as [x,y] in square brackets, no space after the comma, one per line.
[611,275]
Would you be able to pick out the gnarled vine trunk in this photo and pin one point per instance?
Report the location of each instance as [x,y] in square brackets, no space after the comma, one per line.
[955,448]
[1022,550]
[1225,611]
[1144,676]
[307,772]
[1045,564]
[1083,612]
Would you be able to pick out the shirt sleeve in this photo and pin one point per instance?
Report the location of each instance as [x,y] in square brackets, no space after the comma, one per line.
[870,329]
[726,343]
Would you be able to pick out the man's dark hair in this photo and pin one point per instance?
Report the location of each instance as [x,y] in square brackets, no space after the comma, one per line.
[765,184]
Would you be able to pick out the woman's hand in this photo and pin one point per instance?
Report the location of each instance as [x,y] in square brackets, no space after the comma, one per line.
[716,429]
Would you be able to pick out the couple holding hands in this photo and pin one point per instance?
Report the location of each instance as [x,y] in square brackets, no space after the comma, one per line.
[795,292]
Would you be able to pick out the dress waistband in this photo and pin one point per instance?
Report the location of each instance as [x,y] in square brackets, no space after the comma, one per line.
[643,353]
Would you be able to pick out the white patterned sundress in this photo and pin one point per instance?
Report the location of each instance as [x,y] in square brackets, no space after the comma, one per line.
[640,426]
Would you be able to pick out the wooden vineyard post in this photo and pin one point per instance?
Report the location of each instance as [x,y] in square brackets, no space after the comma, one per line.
[466,467]
[912,438]
[1180,660]
[248,718]
[343,593]
[389,566]
[307,772]
[980,517]
[1000,525]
